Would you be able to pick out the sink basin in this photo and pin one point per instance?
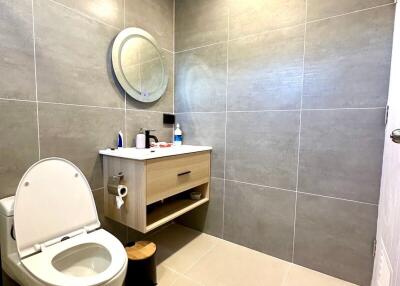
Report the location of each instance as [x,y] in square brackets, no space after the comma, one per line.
[83,260]
[152,153]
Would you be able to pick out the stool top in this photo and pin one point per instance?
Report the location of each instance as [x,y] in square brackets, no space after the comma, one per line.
[141,250]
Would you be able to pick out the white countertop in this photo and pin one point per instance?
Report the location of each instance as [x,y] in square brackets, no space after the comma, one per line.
[152,153]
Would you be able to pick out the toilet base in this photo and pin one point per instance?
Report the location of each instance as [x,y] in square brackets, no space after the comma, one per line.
[7,280]
[25,279]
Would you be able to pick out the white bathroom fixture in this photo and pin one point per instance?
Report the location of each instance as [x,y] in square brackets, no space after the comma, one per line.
[50,232]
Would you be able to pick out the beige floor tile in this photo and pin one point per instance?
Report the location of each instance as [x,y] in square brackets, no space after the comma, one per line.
[231,264]
[301,276]
[179,247]
[166,276]
[184,281]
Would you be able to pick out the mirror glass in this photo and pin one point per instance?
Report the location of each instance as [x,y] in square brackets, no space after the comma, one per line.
[139,65]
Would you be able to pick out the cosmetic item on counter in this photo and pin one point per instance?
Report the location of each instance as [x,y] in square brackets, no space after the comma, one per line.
[120,139]
[140,139]
[178,137]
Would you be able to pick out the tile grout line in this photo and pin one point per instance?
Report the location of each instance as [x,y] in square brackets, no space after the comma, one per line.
[226,122]
[125,127]
[200,47]
[200,258]
[284,110]
[284,280]
[179,274]
[299,134]
[173,58]
[294,191]
[350,13]
[261,186]
[340,199]
[18,100]
[125,95]
[282,28]
[189,112]
[84,14]
[343,108]
[36,84]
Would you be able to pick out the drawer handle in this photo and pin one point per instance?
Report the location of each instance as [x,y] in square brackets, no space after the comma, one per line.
[184,173]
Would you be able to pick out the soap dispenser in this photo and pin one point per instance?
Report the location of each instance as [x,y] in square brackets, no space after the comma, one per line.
[178,138]
[140,139]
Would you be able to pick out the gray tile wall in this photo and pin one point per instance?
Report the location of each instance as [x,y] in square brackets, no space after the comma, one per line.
[57,92]
[291,94]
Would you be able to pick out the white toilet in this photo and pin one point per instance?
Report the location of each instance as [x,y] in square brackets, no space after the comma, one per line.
[58,240]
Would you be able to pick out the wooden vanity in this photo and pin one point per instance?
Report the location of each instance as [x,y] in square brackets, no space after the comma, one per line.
[159,183]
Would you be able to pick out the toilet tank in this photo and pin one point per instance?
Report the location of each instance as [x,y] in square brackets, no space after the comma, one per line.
[7,242]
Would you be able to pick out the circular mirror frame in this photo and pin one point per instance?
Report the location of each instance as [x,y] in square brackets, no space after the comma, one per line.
[118,44]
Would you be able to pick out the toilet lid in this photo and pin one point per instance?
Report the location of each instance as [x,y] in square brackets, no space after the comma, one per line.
[53,200]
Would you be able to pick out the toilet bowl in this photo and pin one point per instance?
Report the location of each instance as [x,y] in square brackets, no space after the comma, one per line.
[50,233]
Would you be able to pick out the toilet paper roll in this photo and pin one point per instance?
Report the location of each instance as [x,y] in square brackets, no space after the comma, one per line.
[122,192]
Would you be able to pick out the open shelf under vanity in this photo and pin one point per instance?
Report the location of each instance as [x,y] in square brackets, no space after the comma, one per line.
[170,208]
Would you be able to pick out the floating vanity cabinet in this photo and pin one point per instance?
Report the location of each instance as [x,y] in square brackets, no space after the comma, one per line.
[159,183]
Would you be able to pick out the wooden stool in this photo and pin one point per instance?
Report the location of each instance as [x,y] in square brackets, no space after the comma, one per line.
[141,264]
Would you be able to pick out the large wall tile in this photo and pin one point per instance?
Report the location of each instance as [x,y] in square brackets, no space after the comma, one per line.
[73,64]
[19,143]
[146,120]
[200,83]
[166,102]
[266,71]
[335,237]
[107,11]
[17,68]
[154,16]
[341,153]
[318,9]
[347,60]
[206,129]
[199,23]
[250,17]
[77,134]
[260,218]
[262,148]
[208,218]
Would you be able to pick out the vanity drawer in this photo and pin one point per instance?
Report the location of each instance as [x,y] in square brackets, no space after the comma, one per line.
[172,175]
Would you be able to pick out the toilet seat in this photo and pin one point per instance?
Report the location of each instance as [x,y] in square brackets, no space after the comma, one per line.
[55,213]
[40,265]
[53,201]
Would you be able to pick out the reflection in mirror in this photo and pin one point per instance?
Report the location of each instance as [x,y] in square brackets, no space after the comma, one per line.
[139,65]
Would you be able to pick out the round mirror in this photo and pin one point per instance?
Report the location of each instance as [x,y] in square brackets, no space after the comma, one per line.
[139,65]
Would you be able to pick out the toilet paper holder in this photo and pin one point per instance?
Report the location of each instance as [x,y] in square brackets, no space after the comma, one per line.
[114,182]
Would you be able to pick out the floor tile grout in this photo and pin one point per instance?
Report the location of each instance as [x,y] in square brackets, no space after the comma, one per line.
[200,258]
[283,277]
